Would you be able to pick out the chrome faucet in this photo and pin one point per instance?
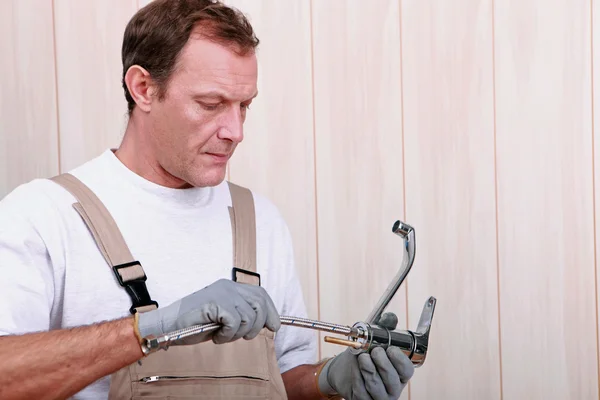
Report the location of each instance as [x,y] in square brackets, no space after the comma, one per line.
[369,334]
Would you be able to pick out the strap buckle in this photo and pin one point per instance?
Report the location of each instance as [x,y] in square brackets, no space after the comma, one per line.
[244,276]
[132,277]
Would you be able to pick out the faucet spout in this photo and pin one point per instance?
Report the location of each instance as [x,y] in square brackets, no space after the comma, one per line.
[413,344]
[407,232]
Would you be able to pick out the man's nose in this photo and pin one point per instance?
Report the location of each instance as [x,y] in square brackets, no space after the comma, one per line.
[232,125]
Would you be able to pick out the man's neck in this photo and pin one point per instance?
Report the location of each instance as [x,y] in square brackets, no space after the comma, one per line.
[137,154]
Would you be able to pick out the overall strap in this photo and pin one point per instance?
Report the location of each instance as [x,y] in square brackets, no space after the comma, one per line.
[243,226]
[108,238]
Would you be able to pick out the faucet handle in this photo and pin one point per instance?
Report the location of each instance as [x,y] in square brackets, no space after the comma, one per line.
[422,332]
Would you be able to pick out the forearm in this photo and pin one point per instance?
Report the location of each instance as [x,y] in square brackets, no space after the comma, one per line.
[301,382]
[58,364]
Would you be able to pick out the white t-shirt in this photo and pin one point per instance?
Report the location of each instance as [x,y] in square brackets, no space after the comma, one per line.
[53,276]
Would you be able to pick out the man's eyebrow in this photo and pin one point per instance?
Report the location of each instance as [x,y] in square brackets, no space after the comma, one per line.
[218,95]
[211,93]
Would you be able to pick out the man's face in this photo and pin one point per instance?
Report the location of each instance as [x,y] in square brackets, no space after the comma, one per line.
[198,124]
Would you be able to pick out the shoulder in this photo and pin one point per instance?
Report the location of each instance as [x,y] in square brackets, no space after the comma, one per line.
[44,189]
[39,200]
[33,199]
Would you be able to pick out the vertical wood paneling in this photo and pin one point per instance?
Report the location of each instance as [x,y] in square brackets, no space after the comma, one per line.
[28,131]
[91,102]
[359,156]
[595,10]
[394,73]
[545,207]
[447,68]
[276,157]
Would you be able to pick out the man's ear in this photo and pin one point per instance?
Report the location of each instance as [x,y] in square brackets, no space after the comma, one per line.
[140,86]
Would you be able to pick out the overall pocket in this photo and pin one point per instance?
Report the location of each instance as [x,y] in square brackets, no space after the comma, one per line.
[240,369]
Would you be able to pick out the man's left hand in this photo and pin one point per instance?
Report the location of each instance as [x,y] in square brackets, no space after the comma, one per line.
[378,375]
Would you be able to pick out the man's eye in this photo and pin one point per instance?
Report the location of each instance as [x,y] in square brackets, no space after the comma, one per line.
[210,107]
[245,106]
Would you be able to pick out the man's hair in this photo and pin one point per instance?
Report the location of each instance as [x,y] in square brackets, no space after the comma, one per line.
[156,34]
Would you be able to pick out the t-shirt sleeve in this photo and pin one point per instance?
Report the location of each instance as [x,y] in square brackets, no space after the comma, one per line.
[295,345]
[26,279]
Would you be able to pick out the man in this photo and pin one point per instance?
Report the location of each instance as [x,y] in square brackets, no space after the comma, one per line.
[69,327]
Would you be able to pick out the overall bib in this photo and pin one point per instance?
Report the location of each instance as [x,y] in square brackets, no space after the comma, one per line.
[244,369]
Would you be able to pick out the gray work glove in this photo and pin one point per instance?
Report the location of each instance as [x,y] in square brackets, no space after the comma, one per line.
[380,374]
[242,309]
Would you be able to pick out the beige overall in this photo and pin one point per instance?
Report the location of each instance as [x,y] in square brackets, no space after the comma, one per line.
[244,369]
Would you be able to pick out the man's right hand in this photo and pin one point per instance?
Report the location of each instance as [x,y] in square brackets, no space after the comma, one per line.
[243,310]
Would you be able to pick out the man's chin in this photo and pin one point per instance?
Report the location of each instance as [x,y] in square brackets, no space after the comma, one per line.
[208,178]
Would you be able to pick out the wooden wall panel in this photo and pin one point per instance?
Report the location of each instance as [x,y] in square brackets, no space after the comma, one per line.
[92,107]
[545,199]
[359,156]
[341,185]
[448,99]
[595,10]
[276,157]
[28,131]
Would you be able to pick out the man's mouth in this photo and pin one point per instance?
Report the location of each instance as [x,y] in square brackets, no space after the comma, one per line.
[219,157]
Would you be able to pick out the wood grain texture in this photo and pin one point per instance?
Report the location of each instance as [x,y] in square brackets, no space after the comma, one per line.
[92,106]
[545,199]
[448,99]
[595,10]
[276,158]
[28,122]
[359,156]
